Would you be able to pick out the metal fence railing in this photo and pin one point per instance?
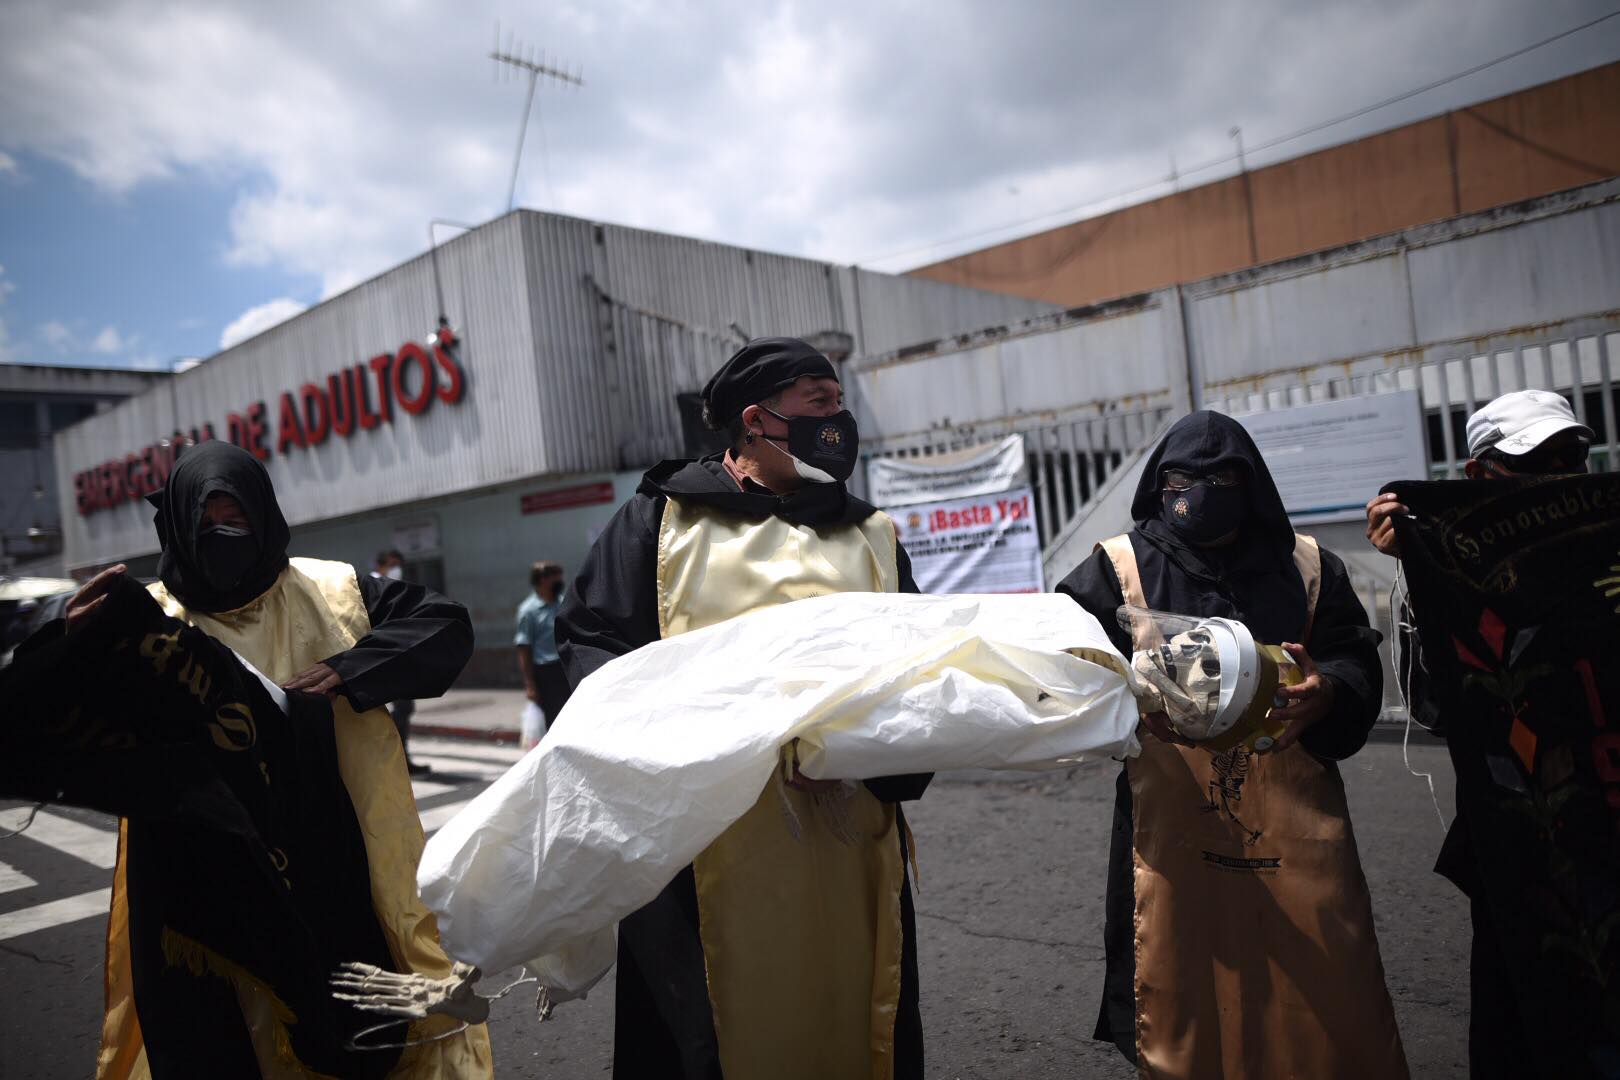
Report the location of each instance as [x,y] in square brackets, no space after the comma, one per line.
[1576,360]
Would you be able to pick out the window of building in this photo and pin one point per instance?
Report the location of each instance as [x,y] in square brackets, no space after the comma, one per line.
[67,413]
[19,425]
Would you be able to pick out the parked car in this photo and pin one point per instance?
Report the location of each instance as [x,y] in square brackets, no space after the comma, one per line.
[28,603]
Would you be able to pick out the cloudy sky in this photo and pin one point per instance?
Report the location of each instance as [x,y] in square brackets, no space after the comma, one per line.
[176,176]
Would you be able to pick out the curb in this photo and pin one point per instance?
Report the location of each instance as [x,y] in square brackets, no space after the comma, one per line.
[471,734]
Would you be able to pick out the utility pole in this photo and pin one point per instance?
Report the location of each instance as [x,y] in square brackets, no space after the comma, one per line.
[1248,195]
[512,60]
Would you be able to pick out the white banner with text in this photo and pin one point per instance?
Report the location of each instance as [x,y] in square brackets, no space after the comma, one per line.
[977,470]
[983,544]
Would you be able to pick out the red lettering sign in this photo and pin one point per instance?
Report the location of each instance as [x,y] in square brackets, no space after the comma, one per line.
[291,430]
[563,498]
[443,342]
[411,353]
[341,390]
[317,413]
[255,432]
[341,405]
[969,516]
[380,366]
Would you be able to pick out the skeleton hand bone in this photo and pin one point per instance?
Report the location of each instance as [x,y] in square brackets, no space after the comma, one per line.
[413,996]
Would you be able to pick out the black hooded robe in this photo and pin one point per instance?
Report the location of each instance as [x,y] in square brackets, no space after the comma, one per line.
[268,877]
[416,644]
[419,641]
[663,1024]
[1253,581]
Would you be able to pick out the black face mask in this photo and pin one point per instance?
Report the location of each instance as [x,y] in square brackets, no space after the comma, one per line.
[1205,512]
[824,449]
[225,555]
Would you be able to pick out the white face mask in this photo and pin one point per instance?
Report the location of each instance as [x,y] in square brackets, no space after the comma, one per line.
[808,472]
[394,573]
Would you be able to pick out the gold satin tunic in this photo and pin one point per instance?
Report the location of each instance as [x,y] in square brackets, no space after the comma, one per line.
[313,611]
[1255,950]
[801,934]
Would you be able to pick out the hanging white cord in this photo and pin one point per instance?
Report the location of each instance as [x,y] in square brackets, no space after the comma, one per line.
[19,830]
[542,1005]
[1397,620]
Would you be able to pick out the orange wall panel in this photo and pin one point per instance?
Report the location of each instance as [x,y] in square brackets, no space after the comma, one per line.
[1547,138]
[1544,139]
[1375,185]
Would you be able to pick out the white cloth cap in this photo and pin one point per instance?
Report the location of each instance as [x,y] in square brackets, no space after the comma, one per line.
[1519,422]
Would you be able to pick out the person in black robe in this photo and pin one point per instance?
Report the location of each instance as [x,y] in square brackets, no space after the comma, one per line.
[224,569]
[232,870]
[224,543]
[1253,580]
[664,1026]
[1526,433]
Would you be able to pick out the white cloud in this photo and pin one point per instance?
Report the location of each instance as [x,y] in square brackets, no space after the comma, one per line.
[110,342]
[256,320]
[8,164]
[65,340]
[840,129]
[150,363]
[58,336]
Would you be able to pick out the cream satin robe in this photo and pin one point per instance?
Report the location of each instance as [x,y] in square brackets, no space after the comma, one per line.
[800,926]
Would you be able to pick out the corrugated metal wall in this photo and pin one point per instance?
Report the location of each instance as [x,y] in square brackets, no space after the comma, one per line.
[1435,287]
[575,338]
[670,309]
[1463,310]
[1492,295]
[1121,357]
[490,436]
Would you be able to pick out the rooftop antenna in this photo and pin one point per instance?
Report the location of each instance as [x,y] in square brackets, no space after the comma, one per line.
[512,60]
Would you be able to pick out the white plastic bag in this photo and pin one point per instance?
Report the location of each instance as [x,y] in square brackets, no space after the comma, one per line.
[533,725]
[660,750]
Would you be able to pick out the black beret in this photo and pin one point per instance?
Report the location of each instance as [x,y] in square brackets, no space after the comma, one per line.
[757,371]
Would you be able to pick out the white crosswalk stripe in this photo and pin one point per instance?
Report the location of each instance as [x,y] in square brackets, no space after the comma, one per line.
[12,879]
[466,770]
[500,753]
[54,913]
[426,789]
[433,820]
[463,759]
[98,847]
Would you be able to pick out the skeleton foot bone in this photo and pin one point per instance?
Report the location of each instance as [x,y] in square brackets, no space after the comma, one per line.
[413,996]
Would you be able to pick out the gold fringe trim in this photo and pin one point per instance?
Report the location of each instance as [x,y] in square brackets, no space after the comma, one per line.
[197,958]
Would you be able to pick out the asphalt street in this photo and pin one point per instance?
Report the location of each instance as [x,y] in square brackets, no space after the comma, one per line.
[1010,905]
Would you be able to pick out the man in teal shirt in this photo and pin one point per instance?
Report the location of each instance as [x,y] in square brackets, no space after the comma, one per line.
[543,680]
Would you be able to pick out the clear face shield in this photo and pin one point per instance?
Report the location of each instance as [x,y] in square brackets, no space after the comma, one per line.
[1209,677]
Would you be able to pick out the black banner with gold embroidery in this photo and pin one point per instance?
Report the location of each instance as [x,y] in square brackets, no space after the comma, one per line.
[246,871]
[1515,588]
